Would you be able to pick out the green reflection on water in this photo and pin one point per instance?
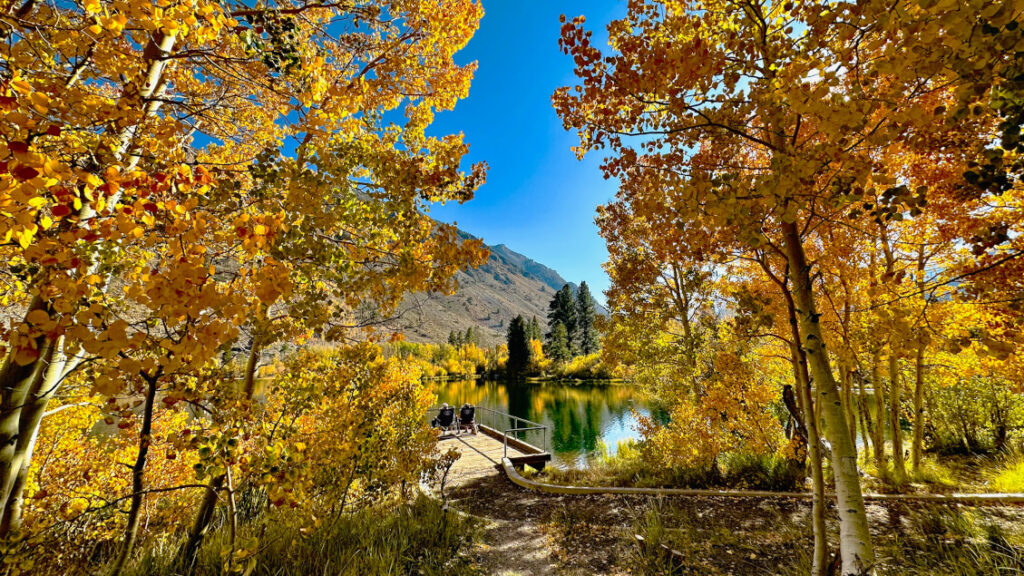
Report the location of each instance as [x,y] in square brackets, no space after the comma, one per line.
[580,417]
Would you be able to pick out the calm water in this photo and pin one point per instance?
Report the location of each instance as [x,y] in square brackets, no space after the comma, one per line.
[580,417]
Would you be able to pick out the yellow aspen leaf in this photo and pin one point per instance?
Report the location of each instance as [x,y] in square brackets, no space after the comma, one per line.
[38,317]
[25,355]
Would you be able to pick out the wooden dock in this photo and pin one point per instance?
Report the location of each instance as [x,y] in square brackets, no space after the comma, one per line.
[481,454]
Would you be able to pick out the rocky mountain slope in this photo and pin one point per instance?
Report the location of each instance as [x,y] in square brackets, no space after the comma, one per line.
[488,297]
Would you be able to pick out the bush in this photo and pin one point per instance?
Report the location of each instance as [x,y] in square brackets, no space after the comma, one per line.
[589,367]
[762,472]
[974,415]
[447,362]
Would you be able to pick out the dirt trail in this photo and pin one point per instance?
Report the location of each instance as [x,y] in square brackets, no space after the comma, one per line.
[514,541]
[536,534]
[526,533]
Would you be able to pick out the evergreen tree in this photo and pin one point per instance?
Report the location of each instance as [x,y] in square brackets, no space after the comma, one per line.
[563,309]
[518,348]
[451,338]
[471,337]
[586,311]
[533,330]
[557,347]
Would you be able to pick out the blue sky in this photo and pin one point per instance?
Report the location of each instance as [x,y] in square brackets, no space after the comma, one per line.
[538,199]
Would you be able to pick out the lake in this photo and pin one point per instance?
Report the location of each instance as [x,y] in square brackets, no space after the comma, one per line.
[582,417]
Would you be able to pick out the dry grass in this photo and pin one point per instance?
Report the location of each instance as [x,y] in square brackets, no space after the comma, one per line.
[420,537]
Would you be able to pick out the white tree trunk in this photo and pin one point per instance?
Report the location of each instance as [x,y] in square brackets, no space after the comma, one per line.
[899,468]
[854,536]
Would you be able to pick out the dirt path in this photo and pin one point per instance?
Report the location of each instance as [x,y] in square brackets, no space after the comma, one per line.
[536,534]
[529,533]
[526,533]
[514,539]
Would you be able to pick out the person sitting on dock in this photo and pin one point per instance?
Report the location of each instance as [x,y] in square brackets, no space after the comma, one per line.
[467,418]
[445,418]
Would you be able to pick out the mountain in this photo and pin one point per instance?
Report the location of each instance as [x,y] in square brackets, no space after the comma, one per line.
[488,297]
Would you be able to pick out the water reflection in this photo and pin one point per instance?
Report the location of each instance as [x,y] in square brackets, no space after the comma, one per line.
[579,417]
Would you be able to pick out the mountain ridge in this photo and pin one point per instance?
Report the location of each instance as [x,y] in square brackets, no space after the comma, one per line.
[506,285]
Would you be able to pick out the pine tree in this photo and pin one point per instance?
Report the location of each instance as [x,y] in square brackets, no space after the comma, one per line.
[518,348]
[451,338]
[563,309]
[557,347]
[534,329]
[586,334]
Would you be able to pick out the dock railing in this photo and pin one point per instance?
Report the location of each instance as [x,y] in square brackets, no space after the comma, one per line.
[509,425]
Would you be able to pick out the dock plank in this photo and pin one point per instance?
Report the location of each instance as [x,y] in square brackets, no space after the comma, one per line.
[480,456]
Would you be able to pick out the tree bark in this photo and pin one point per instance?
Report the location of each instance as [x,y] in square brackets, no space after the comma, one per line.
[819,561]
[250,369]
[878,432]
[809,423]
[854,536]
[917,447]
[898,465]
[847,388]
[201,524]
[57,367]
[865,416]
[18,381]
[131,531]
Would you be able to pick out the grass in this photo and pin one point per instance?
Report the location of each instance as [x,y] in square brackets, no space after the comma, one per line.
[713,542]
[949,541]
[934,473]
[991,473]
[628,466]
[420,537]
[1009,476]
[651,558]
[928,540]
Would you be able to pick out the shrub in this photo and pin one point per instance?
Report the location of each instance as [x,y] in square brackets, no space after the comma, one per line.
[444,361]
[589,367]
[762,472]
[974,415]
